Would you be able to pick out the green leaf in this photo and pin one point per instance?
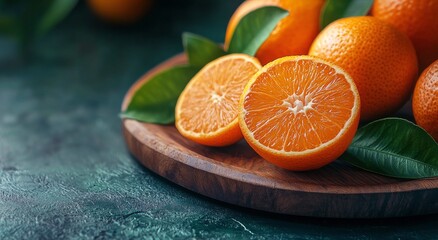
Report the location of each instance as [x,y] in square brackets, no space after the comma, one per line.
[57,11]
[155,101]
[25,20]
[335,9]
[200,50]
[394,147]
[254,28]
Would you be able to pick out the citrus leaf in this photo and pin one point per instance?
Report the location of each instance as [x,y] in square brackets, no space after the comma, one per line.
[57,11]
[154,101]
[201,50]
[335,9]
[254,29]
[394,147]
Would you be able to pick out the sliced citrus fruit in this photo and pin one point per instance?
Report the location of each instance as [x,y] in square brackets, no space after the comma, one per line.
[207,109]
[299,112]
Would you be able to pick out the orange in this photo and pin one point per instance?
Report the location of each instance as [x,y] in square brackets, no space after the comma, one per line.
[299,112]
[417,19]
[380,59]
[293,35]
[206,111]
[425,100]
[120,11]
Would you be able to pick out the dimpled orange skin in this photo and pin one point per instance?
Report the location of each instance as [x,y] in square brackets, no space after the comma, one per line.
[380,59]
[120,11]
[425,100]
[416,18]
[292,36]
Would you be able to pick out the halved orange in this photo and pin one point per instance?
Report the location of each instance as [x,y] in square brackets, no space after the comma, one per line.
[299,112]
[207,109]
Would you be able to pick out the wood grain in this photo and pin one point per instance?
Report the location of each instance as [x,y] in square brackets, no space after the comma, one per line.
[237,175]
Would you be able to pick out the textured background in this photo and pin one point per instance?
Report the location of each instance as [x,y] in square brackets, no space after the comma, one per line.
[65,171]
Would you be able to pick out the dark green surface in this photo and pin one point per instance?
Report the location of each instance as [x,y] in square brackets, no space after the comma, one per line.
[65,171]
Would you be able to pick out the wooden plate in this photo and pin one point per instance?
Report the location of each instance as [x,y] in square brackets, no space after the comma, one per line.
[237,175]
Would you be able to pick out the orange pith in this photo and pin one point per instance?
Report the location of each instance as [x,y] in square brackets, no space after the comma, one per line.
[425,100]
[293,35]
[206,111]
[299,112]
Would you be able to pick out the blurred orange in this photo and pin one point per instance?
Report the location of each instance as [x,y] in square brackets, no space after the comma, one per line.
[120,11]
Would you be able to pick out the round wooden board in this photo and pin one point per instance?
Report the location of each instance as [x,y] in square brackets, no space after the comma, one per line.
[237,175]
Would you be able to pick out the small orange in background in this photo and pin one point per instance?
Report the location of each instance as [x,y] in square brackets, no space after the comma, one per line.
[418,19]
[120,11]
[300,112]
[292,36]
[206,111]
[425,100]
[380,59]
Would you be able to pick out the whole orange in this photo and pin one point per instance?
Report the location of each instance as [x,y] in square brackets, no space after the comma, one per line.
[425,100]
[380,59]
[293,35]
[418,20]
[120,11]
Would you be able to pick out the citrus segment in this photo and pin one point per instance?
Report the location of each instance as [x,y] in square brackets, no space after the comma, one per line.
[207,109]
[299,112]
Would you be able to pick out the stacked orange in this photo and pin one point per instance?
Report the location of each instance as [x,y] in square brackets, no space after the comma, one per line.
[417,19]
[380,59]
[425,100]
[293,35]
